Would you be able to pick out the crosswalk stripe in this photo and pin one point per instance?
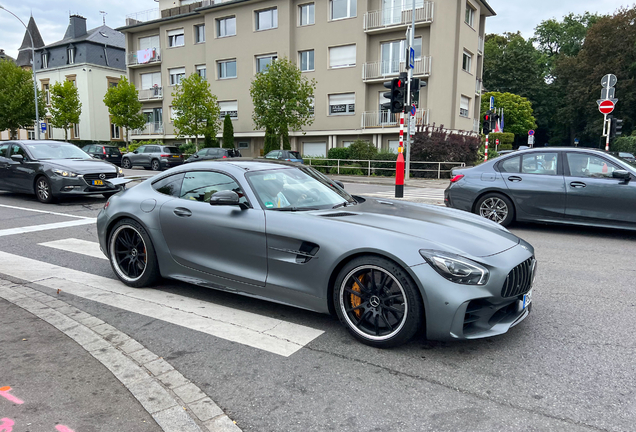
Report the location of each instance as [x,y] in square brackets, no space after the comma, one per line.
[247,328]
[83,247]
[44,227]
[43,211]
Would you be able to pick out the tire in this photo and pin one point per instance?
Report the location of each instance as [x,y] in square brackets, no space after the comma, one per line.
[384,313]
[125,164]
[43,191]
[496,207]
[126,241]
[155,165]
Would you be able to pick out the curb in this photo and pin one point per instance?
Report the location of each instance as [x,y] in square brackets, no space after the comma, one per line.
[175,403]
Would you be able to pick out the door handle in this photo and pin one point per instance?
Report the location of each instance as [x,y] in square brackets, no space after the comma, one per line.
[578,184]
[182,212]
[514,179]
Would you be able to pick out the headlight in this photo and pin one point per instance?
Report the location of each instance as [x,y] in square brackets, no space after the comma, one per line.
[120,172]
[64,173]
[456,268]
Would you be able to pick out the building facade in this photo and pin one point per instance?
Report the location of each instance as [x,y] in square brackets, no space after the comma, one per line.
[349,46]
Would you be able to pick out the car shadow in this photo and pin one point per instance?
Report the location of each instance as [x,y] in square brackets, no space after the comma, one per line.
[590,231]
[65,202]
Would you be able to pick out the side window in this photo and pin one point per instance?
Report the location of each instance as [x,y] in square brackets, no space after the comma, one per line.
[510,165]
[17,150]
[3,150]
[141,150]
[587,165]
[201,185]
[540,163]
[170,185]
[213,152]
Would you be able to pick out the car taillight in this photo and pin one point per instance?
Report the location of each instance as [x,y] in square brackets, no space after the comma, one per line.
[224,157]
[457,178]
[107,204]
[104,149]
[288,160]
[165,155]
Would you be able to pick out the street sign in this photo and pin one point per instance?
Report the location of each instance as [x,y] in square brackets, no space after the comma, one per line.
[576,142]
[609,80]
[606,107]
[43,126]
[413,110]
[412,125]
[412,58]
[608,93]
[530,140]
[530,132]
[492,102]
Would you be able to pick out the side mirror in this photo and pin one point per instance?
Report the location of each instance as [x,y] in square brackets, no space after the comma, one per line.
[619,174]
[226,197]
[339,183]
[196,156]
[136,152]
[17,158]
[96,156]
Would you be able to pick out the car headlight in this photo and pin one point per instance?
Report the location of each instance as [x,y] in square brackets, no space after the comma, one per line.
[120,172]
[64,173]
[456,268]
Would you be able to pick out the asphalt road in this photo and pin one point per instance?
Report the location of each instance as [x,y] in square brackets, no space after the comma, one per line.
[569,367]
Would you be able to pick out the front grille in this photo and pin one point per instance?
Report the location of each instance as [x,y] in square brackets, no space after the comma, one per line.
[97,176]
[519,279]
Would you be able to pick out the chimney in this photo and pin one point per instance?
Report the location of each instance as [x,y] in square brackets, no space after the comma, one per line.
[76,27]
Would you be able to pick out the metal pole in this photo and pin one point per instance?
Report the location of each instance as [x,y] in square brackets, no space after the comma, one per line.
[35,85]
[607,128]
[409,141]
[486,150]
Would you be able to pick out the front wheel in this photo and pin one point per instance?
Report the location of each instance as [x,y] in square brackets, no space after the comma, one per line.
[378,302]
[43,190]
[498,208]
[125,164]
[132,255]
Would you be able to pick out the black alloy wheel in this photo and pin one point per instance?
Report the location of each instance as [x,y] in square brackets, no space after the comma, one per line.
[155,165]
[125,163]
[132,255]
[43,190]
[378,302]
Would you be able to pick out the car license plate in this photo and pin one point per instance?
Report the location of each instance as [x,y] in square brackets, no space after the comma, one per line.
[175,155]
[527,299]
[98,183]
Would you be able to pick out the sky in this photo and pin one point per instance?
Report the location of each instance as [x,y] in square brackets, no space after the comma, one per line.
[52,19]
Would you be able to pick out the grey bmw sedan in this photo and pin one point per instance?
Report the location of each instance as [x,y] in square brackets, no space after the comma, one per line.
[561,185]
[288,234]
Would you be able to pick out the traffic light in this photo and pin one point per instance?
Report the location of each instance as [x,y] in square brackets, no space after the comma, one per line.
[397,94]
[416,85]
[616,127]
[487,123]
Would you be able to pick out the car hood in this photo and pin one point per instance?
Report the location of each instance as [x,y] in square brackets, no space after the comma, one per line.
[82,166]
[451,230]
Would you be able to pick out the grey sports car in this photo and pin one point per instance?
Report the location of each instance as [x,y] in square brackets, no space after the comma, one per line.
[286,233]
[563,185]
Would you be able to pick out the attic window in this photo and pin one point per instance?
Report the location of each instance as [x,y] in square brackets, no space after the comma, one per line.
[103,34]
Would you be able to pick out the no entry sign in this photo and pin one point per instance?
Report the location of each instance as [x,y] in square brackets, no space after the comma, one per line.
[606,107]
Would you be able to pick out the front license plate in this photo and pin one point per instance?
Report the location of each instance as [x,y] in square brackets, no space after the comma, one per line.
[527,299]
[98,183]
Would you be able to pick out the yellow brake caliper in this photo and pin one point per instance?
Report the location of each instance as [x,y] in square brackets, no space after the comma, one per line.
[355,300]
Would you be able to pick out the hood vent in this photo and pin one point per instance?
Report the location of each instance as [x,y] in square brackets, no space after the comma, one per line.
[339,214]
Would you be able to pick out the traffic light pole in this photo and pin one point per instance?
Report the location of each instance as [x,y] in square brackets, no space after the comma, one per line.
[407,108]
[608,127]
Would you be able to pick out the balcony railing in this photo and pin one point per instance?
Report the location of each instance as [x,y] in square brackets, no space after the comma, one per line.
[386,119]
[151,93]
[137,58]
[383,69]
[143,16]
[392,17]
[149,129]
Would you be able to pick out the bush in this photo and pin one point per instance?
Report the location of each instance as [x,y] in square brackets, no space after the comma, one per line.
[318,164]
[351,169]
[188,148]
[505,147]
[505,138]
[138,143]
[339,153]
[437,145]
[624,144]
[271,142]
[362,150]
[228,132]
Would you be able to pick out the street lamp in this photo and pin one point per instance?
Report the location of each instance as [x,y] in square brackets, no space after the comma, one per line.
[35,85]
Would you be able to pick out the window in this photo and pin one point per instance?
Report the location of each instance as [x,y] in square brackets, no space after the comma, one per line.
[470,15]
[45,60]
[150,42]
[464,106]
[170,185]
[467,62]
[47,93]
[393,53]
[49,130]
[30,134]
[342,56]
[200,186]
[342,104]
[70,52]
[226,27]
[75,131]
[342,9]
[273,154]
[199,33]
[174,114]
[307,60]
[227,69]
[510,165]
[115,132]
[587,165]
[229,107]
[176,38]
[176,75]
[347,144]
[539,163]
[306,14]
[243,145]
[150,80]
[263,61]
[267,19]
[392,10]
[312,103]
[202,71]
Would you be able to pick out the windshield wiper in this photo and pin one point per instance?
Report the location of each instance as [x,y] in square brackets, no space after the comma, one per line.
[294,209]
[342,204]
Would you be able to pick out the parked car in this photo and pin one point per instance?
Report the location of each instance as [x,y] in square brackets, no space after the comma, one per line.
[155,157]
[625,156]
[52,169]
[104,152]
[213,153]
[385,267]
[286,155]
[562,185]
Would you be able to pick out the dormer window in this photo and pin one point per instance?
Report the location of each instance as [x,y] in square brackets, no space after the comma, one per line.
[70,52]
[45,60]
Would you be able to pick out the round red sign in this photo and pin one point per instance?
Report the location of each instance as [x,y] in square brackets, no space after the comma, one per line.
[606,107]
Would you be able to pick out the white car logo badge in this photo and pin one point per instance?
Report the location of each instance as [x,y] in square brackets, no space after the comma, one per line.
[102,176]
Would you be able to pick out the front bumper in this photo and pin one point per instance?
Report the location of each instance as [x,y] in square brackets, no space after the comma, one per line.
[459,312]
[169,163]
[67,186]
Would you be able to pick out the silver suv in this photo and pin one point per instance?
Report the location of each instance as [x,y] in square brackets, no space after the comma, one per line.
[154,157]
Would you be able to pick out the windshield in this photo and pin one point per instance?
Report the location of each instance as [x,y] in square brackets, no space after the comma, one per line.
[56,150]
[112,150]
[300,188]
[295,155]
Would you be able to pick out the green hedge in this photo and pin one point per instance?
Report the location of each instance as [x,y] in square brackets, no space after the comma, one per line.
[624,144]
[505,138]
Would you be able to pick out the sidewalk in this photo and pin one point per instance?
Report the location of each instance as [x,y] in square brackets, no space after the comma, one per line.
[390,181]
[64,370]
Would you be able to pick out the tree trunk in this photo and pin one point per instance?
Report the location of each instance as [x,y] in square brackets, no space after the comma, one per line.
[13,134]
[196,142]
[127,140]
[66,134]
[281,141]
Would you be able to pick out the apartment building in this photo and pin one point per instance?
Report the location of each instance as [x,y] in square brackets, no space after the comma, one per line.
[349,46]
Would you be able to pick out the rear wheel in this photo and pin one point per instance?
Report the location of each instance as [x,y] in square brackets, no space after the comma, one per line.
[43,190]
[496,207]
[155,165]
[132,255]
[125,163]
[378,302]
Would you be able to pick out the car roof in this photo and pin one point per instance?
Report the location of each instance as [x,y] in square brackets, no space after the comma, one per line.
[250,164]
[41,142]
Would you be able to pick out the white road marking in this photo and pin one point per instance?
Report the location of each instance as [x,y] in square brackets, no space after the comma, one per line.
[83,247]
[43,211]
[257,331]
[44,227]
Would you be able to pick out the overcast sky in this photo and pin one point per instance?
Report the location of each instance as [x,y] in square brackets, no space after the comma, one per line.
[52,19]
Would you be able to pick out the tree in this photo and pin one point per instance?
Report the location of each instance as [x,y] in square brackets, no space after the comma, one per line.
[271,142]
[228,132]
[17,101]
[282,98]
[65,106]
[195,108]
[518,114]
[124,106]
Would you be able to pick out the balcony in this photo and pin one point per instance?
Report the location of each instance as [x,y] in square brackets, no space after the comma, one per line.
[155,93]
[386,119]
[379,71]
[149,129]
[143,16]
[392,18]
[140,58]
